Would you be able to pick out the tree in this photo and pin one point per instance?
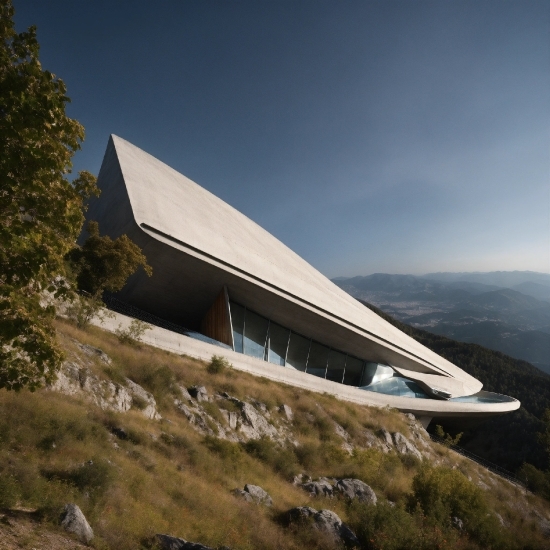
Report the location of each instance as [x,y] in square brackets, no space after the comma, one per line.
[41,211]
[102,264]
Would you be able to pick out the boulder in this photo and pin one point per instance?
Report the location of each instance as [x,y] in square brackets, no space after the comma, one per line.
[320,488]
[167,542]
[405,447]
[326,521]
[243,494]
[90,351]
[74,521]
[258,494]
[254,493]
[355,489]
[254,425]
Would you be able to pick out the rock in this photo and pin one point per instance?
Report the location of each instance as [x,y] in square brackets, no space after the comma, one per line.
[73,379]
[90,351]
[321,488]
[185,410]
[258,495]
[457,522]
[404,446]
[326,521]
[231,418]
[73,521]
[356,489]
[386,438]
[243,494]
[139,394]
[287,411]
[254,425]
[166,542]
[200,393]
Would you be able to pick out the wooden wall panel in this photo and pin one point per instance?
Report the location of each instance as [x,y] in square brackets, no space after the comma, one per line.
[216,323]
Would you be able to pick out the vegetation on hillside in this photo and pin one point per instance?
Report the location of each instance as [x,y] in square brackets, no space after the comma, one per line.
[165,477]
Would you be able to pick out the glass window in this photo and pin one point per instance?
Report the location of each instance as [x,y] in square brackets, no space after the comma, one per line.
[278,344]
[237,321]
[354,370]
[255,335]
[298,350]
[336,365]
[375,372]
[317,362]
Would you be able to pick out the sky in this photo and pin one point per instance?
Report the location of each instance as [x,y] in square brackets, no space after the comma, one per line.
[368,136]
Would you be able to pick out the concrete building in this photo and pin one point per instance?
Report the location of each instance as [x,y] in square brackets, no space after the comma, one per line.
[243,293]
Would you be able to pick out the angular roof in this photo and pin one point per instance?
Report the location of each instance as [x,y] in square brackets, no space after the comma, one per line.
[173,209]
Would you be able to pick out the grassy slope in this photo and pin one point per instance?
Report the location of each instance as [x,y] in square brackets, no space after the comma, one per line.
[168,478]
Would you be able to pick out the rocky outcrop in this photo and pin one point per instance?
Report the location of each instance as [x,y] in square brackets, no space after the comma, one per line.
[355,489]
[73,521]
[254,493]
[325,521]
[404,446]
[77,380]
[251,421]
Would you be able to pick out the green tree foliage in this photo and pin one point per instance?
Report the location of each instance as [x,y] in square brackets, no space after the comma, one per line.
[41,211]
[102,264]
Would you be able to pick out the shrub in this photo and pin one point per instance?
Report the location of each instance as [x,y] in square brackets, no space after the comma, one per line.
[442,494]
[9,490]
[281,459]
[217,364]
[133,334]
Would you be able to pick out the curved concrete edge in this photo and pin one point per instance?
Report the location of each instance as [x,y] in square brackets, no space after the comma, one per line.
[183,345]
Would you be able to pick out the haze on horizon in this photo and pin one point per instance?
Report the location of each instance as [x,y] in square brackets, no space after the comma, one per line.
[396,137]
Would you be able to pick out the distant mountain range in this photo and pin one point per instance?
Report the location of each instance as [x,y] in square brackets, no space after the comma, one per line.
[507,311]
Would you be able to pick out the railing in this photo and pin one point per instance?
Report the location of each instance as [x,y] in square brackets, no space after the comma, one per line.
[495,468]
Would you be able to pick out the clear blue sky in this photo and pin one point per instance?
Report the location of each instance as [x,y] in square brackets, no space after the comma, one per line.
[389,136]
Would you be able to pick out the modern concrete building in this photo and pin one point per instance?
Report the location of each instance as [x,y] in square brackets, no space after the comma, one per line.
[240,290]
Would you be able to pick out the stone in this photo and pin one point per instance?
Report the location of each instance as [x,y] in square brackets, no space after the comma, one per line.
[138,393]
[73,521]
[405,447]
[326,521]
[254,425]
[457,522]
[355,489]
[258,495]
[287,412]
[200,393]
[386,438]
[90,351]
[320,488]
[167,542]
[243,494]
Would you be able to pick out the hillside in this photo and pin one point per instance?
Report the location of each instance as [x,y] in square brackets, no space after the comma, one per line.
[508,440]
[148,442]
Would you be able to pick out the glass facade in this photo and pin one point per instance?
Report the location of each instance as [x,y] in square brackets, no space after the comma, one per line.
[259,337]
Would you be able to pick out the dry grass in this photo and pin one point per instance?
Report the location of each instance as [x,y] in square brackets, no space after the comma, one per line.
[167,478]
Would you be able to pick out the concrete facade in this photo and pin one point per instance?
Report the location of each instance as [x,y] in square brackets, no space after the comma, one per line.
[197,244]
